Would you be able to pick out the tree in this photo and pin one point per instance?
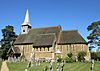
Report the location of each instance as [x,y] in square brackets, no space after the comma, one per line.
[81,56]
[94,36]
[9,37]
[95,55]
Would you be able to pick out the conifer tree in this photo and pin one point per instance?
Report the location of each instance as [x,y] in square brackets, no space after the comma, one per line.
[94,36]
[7,41]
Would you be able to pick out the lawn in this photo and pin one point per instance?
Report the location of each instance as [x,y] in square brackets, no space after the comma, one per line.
[78,66]
[0,64]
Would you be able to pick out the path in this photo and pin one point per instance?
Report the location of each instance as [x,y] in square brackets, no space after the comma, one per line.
[4,66]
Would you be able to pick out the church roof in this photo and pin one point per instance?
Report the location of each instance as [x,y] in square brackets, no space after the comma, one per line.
[44,40]
[70,37]
[32,34]
[46,36]
[20,39]
[46,30]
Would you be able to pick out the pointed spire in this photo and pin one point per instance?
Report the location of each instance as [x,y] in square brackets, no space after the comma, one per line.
[27,19]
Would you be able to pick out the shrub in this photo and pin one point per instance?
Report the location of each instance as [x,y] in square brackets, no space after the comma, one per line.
[59,59]
[69,59]
[81,56]
[70,55]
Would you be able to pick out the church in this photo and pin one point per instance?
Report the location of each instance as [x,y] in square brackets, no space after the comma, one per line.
[48,42]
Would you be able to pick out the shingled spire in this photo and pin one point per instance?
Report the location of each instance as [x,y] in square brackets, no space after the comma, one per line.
[26,26]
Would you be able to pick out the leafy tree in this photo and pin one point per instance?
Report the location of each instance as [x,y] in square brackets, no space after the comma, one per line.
[95,55]
[81,56]
[94,36]
[9,37]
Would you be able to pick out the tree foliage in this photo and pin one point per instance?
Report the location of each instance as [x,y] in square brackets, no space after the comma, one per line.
[9,37]
[95,55]
[70,59]
[81,56]
[70,55]
[94,36]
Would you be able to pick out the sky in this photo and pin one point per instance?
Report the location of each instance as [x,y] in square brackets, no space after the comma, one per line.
[70,14]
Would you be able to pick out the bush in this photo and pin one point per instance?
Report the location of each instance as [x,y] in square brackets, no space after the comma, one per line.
[59,59]
[69,60]
[81,56]
[70,55]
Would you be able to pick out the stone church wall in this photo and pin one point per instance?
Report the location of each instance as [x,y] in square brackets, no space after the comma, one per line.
[73,48]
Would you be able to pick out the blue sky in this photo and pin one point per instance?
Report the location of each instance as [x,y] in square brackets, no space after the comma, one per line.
[70,14]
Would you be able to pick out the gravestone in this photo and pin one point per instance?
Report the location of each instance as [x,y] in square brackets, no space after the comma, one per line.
[39,63]
[57,67]
[26,70]
[92,65]
[19,58]
[15,59]
[51,65]
[9,59]
[29,65]
[62,65]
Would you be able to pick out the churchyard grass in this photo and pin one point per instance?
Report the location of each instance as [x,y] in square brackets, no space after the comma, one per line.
[18,66]
[0,64]
[77,66]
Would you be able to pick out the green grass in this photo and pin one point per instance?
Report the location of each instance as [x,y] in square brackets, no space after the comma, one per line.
[78,66]
[18,66]
[0,64]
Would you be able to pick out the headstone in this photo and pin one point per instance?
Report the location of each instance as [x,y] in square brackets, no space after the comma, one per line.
[29,65]
[9,59]
[19,58]
[57,67]
[62,66]
[51,66]
[14,59]
[26,70]
[39,63]
[36,63]
[92,65]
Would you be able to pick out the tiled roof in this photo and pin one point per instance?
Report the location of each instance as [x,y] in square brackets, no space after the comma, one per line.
[45,36]
[20,39]
[71,36]
[46,30]
[44,40]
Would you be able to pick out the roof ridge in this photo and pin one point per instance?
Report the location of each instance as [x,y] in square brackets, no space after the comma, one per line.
[67,30]
[46,27]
